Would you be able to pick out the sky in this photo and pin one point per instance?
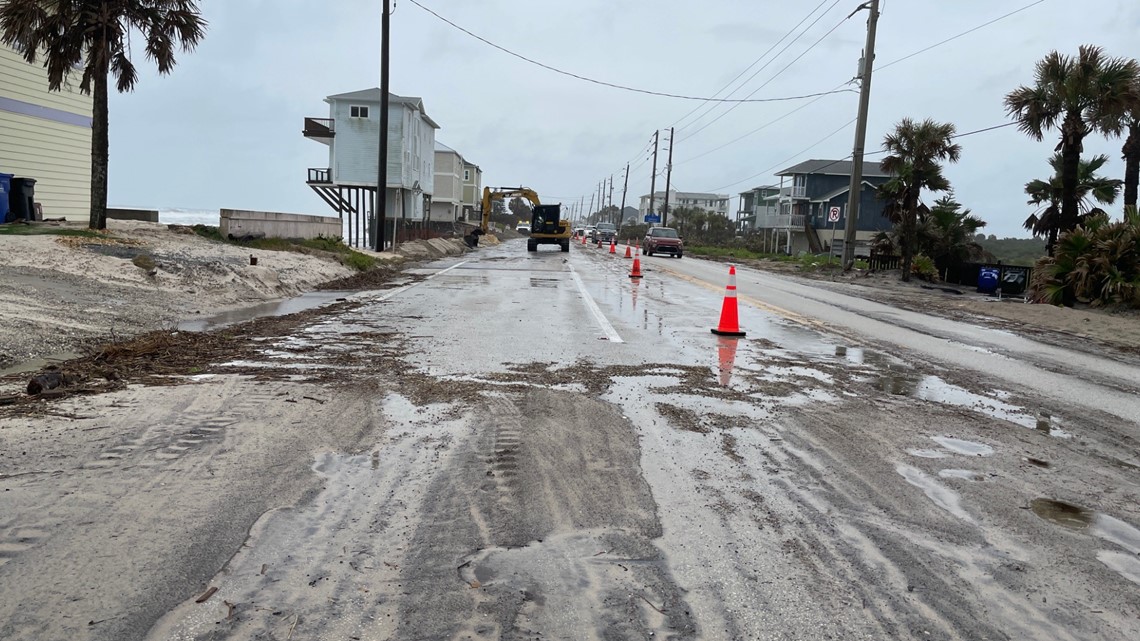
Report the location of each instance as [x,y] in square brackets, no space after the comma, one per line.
[224,129]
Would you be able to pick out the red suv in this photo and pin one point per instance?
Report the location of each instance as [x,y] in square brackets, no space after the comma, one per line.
[663,240]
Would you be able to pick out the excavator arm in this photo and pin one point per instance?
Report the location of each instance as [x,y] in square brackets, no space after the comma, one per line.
[491,194]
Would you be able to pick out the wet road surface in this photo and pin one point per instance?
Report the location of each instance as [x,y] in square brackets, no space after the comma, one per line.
[536,446]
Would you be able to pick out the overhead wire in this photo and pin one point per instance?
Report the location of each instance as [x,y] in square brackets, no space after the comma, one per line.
[754,63]
[663,94]
[877,68]
[850,156]
[774,76]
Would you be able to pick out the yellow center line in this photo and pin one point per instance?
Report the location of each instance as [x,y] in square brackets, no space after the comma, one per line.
[754,302]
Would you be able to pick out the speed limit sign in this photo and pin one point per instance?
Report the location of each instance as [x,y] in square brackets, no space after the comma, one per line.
[834,214]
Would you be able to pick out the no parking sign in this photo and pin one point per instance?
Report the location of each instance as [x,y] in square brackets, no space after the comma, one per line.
[834,214]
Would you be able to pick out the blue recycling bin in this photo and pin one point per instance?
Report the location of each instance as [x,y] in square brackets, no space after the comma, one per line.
[988,279]
[5,189]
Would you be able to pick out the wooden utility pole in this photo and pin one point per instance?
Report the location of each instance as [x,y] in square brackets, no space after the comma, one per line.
[856,192]
[611,198]
[653,179]
[624,188]
[380,202]
[588,216]
[668,181]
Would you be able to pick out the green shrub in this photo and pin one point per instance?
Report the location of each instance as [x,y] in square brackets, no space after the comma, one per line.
[358,261]
[924,268]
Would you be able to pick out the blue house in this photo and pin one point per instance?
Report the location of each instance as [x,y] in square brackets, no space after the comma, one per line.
[807,193]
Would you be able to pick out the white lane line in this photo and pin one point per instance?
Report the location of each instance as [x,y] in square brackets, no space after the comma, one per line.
[603,322]
[401,290]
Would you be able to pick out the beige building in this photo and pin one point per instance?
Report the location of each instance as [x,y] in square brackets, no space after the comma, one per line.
[472,192]
[45,135]
[447,200]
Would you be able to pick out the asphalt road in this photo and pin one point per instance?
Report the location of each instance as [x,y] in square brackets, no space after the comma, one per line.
[536,446]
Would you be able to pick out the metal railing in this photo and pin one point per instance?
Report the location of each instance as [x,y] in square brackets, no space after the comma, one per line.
[799,191]
[321,176]
[779,221]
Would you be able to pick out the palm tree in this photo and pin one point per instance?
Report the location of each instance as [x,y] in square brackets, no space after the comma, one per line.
[947,233]
[1131,150]
[91,37]
[1077,96]
[916,151]
[1046,195]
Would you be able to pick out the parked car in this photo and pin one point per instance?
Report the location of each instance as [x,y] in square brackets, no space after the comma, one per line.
[663,240]
[603,233]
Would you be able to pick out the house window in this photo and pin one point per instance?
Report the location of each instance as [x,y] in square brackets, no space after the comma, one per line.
[466,175]
[358,111]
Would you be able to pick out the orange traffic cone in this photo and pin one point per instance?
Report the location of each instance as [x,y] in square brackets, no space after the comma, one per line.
[729,319]
[613,246]
[583,239]
[628,253]
[636,273]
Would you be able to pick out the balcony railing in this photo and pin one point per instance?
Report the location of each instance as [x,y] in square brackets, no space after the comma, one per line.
[779,221]
[320,176]
[319,128]
[799,191]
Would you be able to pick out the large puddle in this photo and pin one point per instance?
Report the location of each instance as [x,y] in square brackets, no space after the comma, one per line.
[284,307]
[1100,525]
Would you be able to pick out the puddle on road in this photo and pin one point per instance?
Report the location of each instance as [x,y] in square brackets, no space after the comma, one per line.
[1076,517]
[959,446]
[928,453]
[275,308]
[964,475]
[943,497]
[1126,565]
[1102,526]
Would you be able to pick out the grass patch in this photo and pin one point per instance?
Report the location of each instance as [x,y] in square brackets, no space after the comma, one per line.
[321,244]
[37,230]
[738,252]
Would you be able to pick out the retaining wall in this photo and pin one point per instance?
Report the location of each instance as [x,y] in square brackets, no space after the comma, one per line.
[240,222]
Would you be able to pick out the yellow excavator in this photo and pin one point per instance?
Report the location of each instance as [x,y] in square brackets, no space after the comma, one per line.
[546,224]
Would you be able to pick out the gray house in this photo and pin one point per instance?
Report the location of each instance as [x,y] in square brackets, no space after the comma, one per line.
[352,133]
[808,191]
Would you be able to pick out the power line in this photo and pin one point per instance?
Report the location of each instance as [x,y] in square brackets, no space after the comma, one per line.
[878,68]
[964,33]
[848,157]
[774,76]
[603,83]
[754,63]
[754,131]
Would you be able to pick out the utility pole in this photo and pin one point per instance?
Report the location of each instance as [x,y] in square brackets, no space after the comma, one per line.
[588,216]
[653,179]
[611,198]
[624,188]
[668,179]
[856,191]
[380,202]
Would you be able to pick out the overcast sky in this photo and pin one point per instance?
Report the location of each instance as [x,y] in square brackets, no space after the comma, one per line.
[224,130]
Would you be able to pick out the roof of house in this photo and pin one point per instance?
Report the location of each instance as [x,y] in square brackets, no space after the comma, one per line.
[761,188]
[373,95]
[832,168]
[691,195]
[842,190]
[439,146]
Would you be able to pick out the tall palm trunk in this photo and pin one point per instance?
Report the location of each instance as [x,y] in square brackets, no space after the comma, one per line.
[910,224]
[1131,153]
[100,144]
[1071,137]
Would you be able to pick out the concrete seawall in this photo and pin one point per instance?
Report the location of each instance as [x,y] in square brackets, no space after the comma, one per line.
[240,222]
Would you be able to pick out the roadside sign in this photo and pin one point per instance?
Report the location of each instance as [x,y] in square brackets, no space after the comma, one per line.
[834,214]
[653,218]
